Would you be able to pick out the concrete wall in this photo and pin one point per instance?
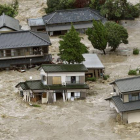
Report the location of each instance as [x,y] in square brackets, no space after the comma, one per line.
[134,116]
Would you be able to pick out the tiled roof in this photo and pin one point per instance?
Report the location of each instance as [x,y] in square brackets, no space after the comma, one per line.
[35,60]
[64,68]
[128,84]
[22,39]
[36,22]
[72,15]
[38,85]
[7,21]
[123,107]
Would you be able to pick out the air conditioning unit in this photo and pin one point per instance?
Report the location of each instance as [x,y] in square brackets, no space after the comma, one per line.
[64,83]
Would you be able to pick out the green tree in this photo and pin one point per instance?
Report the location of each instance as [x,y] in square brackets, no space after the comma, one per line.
[52,5]
[98,36]
[10,10]
[117,34]
[71,49]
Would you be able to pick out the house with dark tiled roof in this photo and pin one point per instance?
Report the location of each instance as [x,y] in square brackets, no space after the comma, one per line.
[24,48]
[59,22]
[58,81]
[9,24]
[126,98]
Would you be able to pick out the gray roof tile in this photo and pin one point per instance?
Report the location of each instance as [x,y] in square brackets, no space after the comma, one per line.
[22,39]
[72,15]
[7,21]
[123,107]
[128,84]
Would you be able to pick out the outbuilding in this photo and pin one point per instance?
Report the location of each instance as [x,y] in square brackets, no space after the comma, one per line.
[94,65]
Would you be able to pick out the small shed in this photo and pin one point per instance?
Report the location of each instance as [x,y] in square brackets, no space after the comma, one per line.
[94,65]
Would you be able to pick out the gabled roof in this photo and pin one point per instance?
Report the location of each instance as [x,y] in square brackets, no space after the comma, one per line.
[92,61]
[7,21]
[22,39]
[64,68]
[123,107]
[72,15]
[38,85]
[128,84]
[36,22]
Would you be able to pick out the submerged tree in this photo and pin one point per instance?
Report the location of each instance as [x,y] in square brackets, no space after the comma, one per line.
[10,10]
[71,49]
[117,34]
[98,36]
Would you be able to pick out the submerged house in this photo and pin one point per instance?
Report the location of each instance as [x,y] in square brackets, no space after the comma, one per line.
[59,22]
[37,24]
[9,24]
[24,48]
[58,81]
[126,100]
[94,65]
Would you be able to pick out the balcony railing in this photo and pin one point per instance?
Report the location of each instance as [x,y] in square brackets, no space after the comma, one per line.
[72,82]
[19,54]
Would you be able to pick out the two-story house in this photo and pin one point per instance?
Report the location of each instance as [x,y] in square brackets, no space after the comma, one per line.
[24,48]
[62,81]
[126,100]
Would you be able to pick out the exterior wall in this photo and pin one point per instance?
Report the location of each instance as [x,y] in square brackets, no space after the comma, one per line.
[125,98]
[134,116]
[63,75]
[62,27]
[4,29]
[116,88]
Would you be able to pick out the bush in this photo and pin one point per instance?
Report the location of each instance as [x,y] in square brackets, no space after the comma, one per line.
[36,105]
[132,72]
[105,77]
[135,51]
[91,79]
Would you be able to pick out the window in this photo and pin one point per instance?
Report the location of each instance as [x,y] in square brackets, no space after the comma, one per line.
[134,97]
[43,78]
[73,79]
[72,94]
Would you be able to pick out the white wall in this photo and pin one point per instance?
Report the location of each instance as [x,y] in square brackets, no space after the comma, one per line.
[134,117]
[62,74]
[5,30]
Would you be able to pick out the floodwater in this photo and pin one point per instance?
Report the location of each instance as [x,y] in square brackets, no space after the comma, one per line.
[89,119]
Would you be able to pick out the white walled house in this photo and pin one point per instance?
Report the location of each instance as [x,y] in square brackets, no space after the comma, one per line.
[63,81]
[126,100]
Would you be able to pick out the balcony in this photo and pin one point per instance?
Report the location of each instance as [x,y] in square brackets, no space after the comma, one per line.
[19,53]
[72,82]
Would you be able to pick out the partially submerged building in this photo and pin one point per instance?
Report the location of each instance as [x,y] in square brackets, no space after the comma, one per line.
[9,24]
[58,81]
[37,24]
[126,100]
[94,65]
[59,22]
[22,48]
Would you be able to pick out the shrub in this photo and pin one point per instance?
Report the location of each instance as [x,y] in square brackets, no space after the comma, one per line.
[36,105]
[105,77]
[135,51]
[91,79]
[132,72]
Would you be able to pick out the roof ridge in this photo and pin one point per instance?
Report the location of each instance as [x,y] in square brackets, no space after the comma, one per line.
[16,32]
[127,78]
[39,36]
[72,9]
[93,10]
[51,17]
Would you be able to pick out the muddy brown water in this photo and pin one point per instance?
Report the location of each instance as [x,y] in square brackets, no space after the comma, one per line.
[89,119]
